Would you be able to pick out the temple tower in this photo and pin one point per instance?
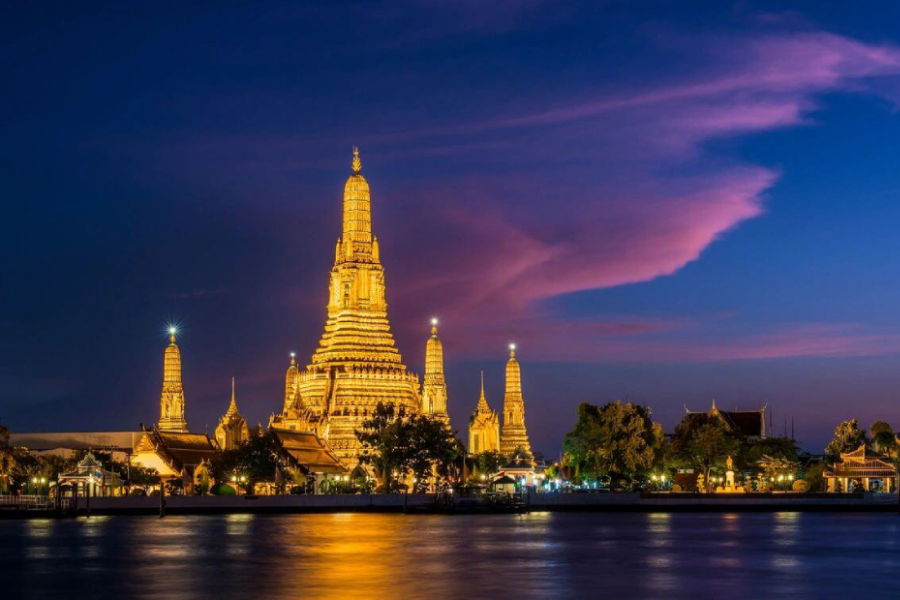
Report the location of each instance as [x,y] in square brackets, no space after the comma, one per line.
[484,426]
[171,400]
[356,365]
[514,437]
[232,430]
[434,388]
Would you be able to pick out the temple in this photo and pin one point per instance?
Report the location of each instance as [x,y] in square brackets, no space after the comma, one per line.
[484,426]
[513,437]
[357,365]
[751,424]
[232,430]
[171,401]
[434,388]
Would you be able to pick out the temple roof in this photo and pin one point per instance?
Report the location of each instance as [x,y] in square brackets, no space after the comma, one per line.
[309,451]
[749,423]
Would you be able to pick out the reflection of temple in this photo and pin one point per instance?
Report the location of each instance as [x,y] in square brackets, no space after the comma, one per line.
[861,470]
[356,365]
[751,424]
[232,430]
[513,437]
[484,426]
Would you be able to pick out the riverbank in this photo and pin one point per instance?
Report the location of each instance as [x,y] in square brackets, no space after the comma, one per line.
[429,504]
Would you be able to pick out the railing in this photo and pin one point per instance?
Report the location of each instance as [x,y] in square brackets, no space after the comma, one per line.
[33,502]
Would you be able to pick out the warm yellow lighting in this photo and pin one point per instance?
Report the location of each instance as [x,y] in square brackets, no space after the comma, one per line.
[434,321]
[512,346]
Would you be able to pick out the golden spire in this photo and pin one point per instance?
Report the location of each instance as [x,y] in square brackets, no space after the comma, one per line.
[357,230]
[513,435]
[232,408]
[171,400]
[482,401]
[434,356]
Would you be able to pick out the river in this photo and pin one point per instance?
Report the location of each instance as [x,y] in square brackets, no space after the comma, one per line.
[602,555]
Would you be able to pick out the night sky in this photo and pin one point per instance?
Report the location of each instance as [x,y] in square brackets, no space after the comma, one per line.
[663,202]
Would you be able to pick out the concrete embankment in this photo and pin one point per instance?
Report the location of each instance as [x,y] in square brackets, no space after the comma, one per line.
[423,503]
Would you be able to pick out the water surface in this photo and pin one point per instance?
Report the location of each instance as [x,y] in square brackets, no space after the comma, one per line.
[785,555]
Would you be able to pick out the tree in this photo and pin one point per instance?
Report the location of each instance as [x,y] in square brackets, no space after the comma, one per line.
[615,439]
[704,443]
[847,437]
[883,437]
[488,463]
[768,450]
[397,446]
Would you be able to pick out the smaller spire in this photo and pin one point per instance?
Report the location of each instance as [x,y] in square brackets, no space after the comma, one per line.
[293,359]
[434,324]
[357,164]
[172,332]
[232,408]
[512,350]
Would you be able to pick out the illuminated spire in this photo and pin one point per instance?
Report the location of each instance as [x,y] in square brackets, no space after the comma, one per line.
[232,408]
[513,436]
[482,401]
[290,384]
[171,401]
[434,389]
[357,231]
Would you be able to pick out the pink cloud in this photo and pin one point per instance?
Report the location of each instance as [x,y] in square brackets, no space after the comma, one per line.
[623,221]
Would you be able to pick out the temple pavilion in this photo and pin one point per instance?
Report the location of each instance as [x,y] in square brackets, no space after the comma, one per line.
[861,470]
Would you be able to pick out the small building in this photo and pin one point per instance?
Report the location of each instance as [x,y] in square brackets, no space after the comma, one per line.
[751,424]
[90,479]
[175,455]
[861,470]
[305,453]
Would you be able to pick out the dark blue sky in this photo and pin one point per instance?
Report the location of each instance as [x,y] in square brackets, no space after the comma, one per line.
[664,202]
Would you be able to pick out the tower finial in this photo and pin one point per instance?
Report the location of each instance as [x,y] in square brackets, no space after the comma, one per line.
[172,332]
[482,384]
[512,350]
[434,323]
[293,358]
[357,164]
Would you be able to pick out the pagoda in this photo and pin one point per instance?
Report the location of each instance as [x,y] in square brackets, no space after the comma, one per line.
[513,437]
[434,387]
[171,400]
[357,365]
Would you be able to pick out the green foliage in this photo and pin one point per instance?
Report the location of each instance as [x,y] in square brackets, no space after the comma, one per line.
[847,437]
[140,476]
[614,439]
[256,459]
[815,475]
[488,463]
[768,453]
[704,443]
[398,446]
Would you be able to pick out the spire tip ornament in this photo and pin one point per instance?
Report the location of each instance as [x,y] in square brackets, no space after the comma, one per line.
[356,164]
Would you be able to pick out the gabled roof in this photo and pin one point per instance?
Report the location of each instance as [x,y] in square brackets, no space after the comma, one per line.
[308,451]
[749,423]
[861,463]
[179,450]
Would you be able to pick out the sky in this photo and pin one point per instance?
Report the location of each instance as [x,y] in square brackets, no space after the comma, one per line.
[660,202]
